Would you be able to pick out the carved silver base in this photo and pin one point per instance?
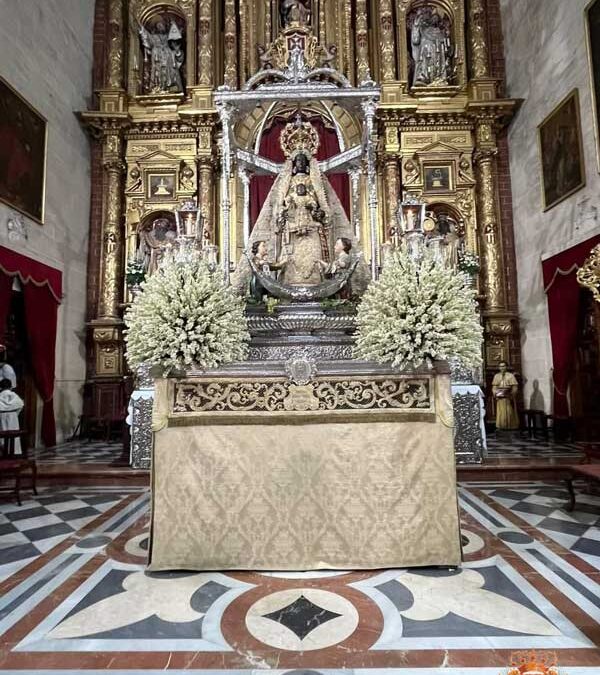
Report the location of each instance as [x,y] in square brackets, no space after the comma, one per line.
[469,441]
[305,330]
[140,418]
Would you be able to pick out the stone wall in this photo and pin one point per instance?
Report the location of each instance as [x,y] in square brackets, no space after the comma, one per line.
[546,58]
[46,55]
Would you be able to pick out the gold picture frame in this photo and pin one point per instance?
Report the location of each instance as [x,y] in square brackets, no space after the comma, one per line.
[161,185]
[592,35]
[561,151]
[23,154]
[438,178]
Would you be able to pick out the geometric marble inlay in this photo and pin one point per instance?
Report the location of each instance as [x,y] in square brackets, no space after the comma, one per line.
[302,616]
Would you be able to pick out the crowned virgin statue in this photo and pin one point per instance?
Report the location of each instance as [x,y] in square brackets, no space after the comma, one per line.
[302,219]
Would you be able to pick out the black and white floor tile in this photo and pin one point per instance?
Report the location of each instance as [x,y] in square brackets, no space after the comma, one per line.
[44,521]
[516,446]
[80,452]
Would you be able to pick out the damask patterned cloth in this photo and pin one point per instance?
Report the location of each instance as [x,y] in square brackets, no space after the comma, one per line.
[305,495]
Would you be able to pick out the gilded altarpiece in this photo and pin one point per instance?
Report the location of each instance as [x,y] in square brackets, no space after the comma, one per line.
[436,126]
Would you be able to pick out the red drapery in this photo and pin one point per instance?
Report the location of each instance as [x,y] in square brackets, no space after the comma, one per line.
[42,292]
[563,293]
[270,148]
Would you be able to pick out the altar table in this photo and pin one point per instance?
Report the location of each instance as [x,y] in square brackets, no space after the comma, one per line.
[349,468]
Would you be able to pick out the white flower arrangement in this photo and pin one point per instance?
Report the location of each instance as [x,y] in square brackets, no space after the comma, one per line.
[185,316]
[468,262]
[418,312]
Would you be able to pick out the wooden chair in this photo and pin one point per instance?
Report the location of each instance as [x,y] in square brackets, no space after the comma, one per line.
[16,466]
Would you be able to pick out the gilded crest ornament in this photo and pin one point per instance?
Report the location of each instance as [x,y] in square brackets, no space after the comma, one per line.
[588,276]
[532,663]
[299,137]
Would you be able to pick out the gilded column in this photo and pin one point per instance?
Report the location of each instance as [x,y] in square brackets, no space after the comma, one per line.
[115,46]
[494,286]
[243,40]
[386,41]
[112,238]
[480,67]
[363,72]
[205,45]
[268,29]
[206,197]
[230,45]
[391,179]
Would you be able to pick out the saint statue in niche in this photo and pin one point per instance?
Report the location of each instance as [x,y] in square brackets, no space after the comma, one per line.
[294,12]
[163,58]
[432,48]
[154,238]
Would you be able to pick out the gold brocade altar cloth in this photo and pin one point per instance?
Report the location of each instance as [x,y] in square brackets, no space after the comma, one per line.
[346,470]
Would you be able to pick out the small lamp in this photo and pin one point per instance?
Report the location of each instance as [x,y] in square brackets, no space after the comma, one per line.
[188,219]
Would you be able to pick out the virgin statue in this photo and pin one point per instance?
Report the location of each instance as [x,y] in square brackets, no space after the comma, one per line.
[301,219]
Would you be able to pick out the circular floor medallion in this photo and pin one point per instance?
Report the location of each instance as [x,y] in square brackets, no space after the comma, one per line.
[471,542]
[138,546]
[302,619]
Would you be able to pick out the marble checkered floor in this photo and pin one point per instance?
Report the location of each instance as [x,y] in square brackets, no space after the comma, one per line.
[79,452]
[99,452]
[75,597]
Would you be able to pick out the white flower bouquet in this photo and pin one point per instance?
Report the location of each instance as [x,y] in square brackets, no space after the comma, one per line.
[418,312]
[185,316]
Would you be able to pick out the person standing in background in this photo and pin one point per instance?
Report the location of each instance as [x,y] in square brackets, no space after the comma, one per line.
[11,405]
[6,370]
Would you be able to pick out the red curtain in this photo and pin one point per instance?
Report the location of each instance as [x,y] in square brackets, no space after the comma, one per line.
[42,292]
[270,148]
[6,284]
[563,293]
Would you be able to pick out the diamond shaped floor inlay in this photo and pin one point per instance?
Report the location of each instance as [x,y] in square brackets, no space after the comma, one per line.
[302,616]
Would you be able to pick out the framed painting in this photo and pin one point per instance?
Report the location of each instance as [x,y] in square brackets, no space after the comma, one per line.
[438,178]
[160,185]
[23,134]
[592,22]
[561,152]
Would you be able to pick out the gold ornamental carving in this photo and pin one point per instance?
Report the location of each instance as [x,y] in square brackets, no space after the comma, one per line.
[386,40]
[362,42]
[230,44]
[588,276]
[478,39]
[115,45]
[330,395]
[205,45]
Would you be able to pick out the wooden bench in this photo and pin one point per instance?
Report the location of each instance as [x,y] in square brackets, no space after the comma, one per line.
[588,470]
[15,466]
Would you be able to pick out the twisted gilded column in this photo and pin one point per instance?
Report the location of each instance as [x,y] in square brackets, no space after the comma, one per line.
[363,72]
[230,45]
[205,45]
[391,181]
[112,236]
[206,198]
[386,41]
[494,284]
[480,66]
[115,45]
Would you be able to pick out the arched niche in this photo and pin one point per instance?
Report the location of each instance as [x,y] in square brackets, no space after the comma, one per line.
[249,131]
[438,18]
[157,230]
[178,20]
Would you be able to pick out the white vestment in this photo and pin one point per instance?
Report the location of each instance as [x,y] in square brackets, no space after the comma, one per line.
[10,406]
[8,373]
